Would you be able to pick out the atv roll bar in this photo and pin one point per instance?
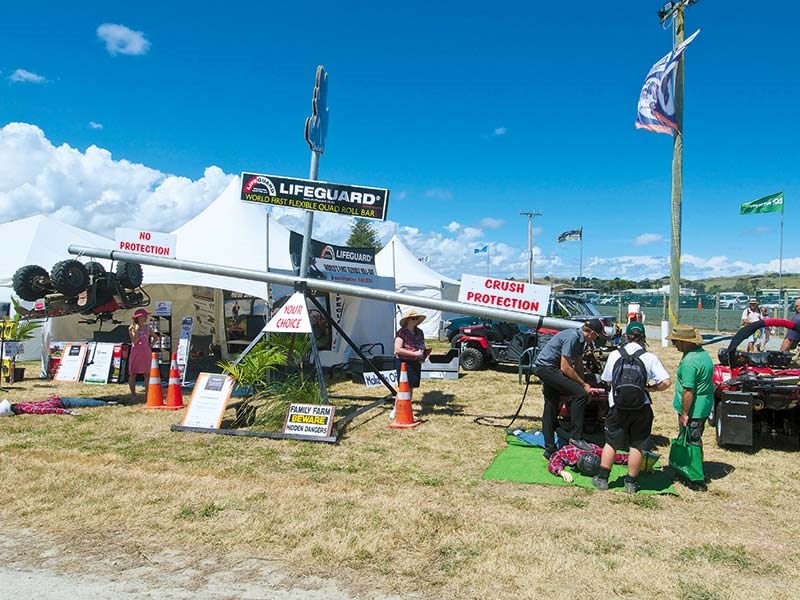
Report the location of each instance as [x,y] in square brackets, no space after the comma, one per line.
[323,285]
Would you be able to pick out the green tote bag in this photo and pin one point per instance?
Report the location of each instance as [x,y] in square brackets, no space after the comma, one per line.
[686,458]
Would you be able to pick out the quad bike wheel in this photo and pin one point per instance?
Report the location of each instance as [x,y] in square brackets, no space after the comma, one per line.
[69,277]
[129,274]
[95,269]
[31,282]
[472,359]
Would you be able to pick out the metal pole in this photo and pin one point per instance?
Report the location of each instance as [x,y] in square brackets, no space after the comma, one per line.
[313,172]
[780,260]
[530,241]
[580,263]
[323,285]
[677,179]
[716,314]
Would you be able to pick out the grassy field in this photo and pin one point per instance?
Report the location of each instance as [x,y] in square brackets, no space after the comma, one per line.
[401,511]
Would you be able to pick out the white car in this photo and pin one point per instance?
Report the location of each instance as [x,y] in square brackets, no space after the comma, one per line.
[733,300]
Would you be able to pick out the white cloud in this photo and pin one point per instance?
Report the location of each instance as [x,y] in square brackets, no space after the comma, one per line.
[95,125]
[491,223]
[647,239]
[439,194]
[501,131]
[92,190]
[122,40]
[23,76]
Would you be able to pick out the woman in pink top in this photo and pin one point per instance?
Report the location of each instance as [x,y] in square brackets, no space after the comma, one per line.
[141,351]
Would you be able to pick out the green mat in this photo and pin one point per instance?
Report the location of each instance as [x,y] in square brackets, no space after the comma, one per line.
[526,464]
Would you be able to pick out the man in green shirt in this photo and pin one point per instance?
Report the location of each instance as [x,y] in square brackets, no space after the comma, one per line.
[694,385]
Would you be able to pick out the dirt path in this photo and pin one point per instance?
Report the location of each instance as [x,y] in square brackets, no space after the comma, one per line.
[35,565]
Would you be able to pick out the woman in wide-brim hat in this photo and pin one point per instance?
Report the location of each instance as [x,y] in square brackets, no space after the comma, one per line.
[409,346]
[141,349]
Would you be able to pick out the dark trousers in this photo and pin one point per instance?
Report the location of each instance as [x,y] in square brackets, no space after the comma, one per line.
[555,385]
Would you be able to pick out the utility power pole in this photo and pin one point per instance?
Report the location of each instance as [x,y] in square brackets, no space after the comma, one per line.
[530,241]
[674,10]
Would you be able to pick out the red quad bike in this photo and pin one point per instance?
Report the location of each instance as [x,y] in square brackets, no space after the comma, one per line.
[755,393]
[76,288]
[594,360]
[487,344]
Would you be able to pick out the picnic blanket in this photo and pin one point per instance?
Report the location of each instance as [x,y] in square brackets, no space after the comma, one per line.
[522,463]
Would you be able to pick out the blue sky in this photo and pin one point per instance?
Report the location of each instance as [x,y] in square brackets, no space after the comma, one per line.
[468,112]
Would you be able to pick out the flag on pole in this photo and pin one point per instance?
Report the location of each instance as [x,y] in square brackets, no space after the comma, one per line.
[571,235]
[479,250]
[767,204]
[656,110]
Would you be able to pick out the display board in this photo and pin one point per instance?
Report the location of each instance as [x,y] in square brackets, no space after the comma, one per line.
[184,343]
[73,359]
[101,357]
[209,400]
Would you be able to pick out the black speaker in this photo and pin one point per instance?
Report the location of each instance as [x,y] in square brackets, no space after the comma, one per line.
[735,419]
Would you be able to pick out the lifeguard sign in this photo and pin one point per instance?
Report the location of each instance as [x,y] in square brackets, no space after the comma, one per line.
[518,296]
[150,243]
[292,317]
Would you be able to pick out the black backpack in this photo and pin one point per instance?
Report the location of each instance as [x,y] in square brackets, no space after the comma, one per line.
[628,380]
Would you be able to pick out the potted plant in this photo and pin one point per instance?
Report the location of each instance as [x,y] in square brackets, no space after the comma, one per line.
[16,330]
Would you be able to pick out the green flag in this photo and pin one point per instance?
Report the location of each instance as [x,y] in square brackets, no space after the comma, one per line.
[767,204]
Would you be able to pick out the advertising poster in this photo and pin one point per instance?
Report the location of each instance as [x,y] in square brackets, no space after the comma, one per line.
[245,316]
[184,343]
[72,360]
[203,300]
[335,263]
[101,357]
[209,400]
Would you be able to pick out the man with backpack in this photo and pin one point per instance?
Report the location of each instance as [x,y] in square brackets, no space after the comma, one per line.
[630,417]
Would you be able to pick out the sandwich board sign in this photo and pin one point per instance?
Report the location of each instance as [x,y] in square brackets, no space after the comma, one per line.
[291,318]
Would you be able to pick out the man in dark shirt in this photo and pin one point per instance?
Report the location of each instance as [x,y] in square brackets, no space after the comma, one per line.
[559,366]
[792,336]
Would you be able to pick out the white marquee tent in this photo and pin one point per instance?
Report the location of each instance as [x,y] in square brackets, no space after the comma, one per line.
[411,276]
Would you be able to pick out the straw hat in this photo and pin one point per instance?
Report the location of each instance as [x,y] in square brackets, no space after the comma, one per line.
[411,314]
[685,333]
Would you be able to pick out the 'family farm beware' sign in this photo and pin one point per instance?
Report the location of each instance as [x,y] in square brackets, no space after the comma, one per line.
[518,296]
[319,196]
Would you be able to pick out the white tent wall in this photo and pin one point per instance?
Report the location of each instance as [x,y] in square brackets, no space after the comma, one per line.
[411,276]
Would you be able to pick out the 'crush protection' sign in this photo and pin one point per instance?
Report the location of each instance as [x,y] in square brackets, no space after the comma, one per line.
[319,196]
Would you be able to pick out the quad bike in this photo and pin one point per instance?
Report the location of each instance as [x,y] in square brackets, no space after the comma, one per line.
[755,393]
[494,343]
[73,287]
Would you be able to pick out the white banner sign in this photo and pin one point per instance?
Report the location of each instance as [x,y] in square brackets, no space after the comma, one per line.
[518,296]
[371,379]
[150,243]
[162,308]
[292,317]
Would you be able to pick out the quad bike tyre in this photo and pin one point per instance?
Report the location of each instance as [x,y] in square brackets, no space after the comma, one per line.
[129,274]
[69,277]
[95,269]
[472,359]
[31,282]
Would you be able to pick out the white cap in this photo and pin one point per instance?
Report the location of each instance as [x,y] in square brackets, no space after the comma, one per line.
[5,409]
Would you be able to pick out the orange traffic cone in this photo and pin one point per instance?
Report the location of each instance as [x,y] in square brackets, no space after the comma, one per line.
[404,418]
[155,395]
[174,394]
[699,304]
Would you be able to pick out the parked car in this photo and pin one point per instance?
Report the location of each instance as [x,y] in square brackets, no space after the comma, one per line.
[562,306]
[733,300]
